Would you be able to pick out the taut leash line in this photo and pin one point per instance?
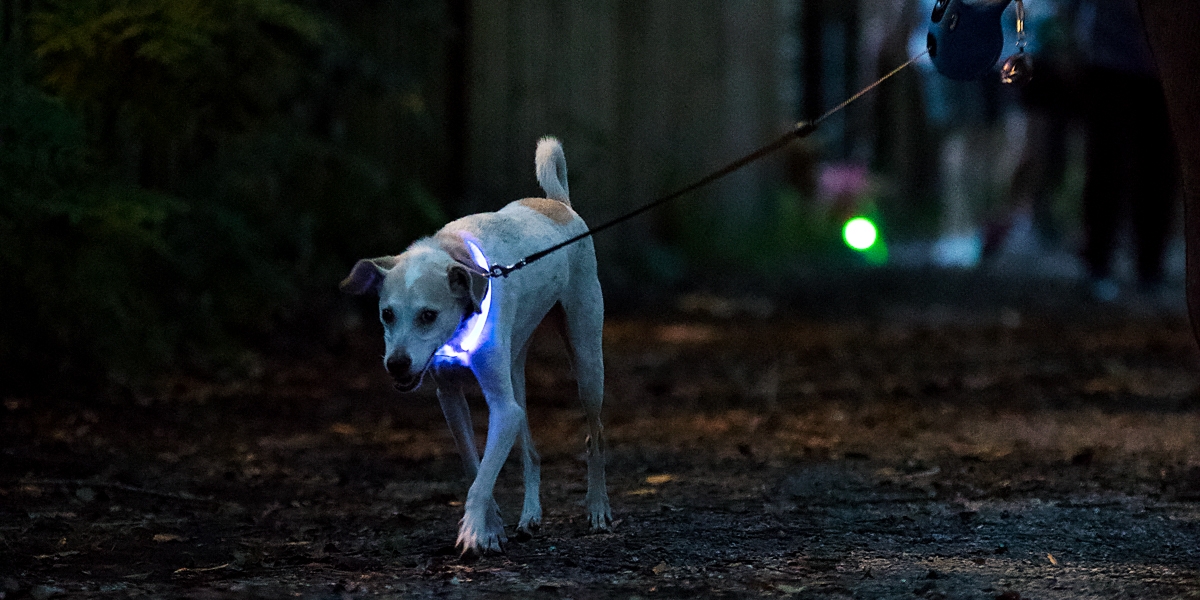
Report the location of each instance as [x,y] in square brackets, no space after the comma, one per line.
[873,85]
[802,129]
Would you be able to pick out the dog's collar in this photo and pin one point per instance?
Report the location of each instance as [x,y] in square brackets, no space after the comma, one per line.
[470,332]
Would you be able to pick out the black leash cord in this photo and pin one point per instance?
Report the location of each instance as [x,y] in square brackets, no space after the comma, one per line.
[802,129]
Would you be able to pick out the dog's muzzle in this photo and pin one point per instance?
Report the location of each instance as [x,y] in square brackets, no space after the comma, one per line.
[410,384]
[400,368]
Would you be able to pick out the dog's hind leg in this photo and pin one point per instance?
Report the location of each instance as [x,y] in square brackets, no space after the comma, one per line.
[585,330]
[531,513]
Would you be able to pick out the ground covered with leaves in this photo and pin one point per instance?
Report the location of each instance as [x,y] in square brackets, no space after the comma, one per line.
[915,451]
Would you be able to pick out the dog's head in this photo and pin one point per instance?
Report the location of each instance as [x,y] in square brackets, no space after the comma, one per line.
[424,296]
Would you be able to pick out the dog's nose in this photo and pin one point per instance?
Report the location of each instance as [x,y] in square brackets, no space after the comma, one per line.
[399,366]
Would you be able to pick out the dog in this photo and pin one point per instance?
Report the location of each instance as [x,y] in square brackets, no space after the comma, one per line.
[442,314]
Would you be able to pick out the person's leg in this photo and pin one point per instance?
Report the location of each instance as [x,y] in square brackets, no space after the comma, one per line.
[1172,28]
[1053,173]
[1104,181]
[1153,179]
[1053,98]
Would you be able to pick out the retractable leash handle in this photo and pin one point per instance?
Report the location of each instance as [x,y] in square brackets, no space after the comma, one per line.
[966,38]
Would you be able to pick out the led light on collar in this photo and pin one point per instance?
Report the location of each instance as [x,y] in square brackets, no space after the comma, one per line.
[468,337]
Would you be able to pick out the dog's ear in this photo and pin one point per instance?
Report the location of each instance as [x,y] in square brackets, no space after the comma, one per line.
[454,245]
[467,284]
[367,275]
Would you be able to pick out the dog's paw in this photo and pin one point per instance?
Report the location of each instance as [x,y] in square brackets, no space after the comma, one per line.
[529,524]
[473,543]
[481,533]
[599,514]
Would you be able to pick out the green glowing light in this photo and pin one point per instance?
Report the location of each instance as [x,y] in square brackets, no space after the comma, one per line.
[860,233]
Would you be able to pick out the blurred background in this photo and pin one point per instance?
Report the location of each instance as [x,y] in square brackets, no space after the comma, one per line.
[183,183]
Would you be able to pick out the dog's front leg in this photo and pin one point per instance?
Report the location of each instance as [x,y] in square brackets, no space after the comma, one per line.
[481,530]
[462,429]
[458,417]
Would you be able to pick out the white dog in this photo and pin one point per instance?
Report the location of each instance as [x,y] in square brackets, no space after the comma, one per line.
[441,312]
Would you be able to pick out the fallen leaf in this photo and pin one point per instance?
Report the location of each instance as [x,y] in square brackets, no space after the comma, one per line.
[1052,559]
[661,568]
[187,570]
[343,428]
[659,479]
[56,555]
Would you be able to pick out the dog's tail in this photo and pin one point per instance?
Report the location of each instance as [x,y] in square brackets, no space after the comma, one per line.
[551,167]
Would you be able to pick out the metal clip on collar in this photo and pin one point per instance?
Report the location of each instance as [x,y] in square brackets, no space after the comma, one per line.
[497,271]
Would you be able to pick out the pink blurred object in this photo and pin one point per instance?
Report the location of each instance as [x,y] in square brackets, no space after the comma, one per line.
[842,182]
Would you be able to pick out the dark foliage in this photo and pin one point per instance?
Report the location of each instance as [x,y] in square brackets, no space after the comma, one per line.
[176,184]
[74,253]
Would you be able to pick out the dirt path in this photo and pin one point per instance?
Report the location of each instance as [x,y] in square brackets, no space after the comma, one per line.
[986,454]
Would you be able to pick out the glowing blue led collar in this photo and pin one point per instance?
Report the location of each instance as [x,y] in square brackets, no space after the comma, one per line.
[469,335]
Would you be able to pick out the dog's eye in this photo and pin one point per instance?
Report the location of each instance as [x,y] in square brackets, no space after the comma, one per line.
[427,317]
[388,315]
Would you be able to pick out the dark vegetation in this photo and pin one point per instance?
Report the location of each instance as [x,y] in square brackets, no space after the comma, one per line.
[179,181]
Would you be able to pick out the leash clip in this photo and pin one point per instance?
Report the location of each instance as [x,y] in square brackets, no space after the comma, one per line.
[501,271]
